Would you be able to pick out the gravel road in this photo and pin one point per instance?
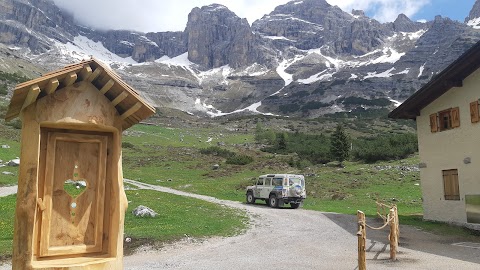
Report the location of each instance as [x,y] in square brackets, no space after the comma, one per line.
[300,239]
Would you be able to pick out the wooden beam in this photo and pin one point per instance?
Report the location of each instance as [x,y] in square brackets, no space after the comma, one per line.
[131,111]
[453,83]
[107,87]
[85,73]
[95,74]
[52,85]
[70,79]
[31,96]
[119,98]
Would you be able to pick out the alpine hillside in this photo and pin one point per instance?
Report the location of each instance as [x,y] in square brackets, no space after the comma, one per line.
[304,59]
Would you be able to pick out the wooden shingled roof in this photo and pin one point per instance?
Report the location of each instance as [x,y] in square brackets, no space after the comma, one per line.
[130,106]
[451,76]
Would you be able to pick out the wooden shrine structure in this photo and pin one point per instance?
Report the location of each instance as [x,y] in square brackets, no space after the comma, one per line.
[70,202]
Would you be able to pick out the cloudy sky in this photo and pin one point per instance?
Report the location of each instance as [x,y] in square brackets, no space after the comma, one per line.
[171,15]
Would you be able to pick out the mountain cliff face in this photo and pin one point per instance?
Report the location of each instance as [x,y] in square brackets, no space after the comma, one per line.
[306,58]
[217,37]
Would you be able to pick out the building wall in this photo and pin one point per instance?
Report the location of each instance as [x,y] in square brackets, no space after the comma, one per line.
[448,149]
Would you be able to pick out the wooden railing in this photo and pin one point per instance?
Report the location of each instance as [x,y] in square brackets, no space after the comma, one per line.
[391,219]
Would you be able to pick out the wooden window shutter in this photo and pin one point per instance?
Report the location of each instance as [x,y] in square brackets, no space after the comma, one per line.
[474,112]
[433,122]
[455,114]
[451,185]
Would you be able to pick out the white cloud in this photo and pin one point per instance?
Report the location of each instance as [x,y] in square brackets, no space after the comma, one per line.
[156,16]
[172,15]
[382,10]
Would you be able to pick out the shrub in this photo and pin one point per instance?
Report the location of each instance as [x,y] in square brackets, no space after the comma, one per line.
[17,124]
[388,147]
[217,151]
[128,145]
[3,89]
[239,159]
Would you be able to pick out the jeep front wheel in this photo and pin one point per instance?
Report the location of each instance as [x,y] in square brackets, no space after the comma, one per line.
[250,198]
[272,201]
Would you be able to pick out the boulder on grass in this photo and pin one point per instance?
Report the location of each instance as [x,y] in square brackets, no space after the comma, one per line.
[143,211]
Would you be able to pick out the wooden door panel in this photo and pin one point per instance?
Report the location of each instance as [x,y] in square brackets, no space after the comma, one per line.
[72,223]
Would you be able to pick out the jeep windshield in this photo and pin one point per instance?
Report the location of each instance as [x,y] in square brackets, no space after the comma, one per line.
[296,181]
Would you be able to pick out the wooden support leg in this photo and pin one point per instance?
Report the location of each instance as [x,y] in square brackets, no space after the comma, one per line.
[393,236]
[362,238]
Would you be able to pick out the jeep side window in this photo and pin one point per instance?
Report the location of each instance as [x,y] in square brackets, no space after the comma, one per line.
[277,181]
[260,182]
[268,182]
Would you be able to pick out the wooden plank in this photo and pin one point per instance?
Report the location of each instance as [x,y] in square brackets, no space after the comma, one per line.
[95,74]
[52,85]
[31,96]
[85,73]
[119,98]
[131,111]
[107,86]
[70,79]
[27,191]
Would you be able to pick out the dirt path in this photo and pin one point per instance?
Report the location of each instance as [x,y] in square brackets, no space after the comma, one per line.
[5,191]
[299,239]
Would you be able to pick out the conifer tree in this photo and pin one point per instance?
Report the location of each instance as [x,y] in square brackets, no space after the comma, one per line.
[339,145]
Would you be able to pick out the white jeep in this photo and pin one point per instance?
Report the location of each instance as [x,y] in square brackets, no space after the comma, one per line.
[278,189]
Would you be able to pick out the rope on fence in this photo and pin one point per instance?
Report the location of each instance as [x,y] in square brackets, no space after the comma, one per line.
[383,226]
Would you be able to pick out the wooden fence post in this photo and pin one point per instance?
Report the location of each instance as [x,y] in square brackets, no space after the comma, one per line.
[397,223]
[393,235]
[362,237]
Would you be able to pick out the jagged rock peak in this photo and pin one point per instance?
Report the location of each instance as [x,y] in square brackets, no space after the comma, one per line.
[474,12]
[404,24]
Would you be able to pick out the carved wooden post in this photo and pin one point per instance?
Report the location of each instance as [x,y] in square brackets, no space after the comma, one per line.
[397,223]
[393,235]
[362,238]
[71,203]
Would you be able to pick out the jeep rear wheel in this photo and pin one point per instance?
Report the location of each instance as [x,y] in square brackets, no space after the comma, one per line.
[294,205]
[250,198]
[272,201]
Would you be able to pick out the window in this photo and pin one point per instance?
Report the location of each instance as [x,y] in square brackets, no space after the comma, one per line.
[260,182]
[277,181]
[474,112]
[450,185]
[268,181]
[445,120]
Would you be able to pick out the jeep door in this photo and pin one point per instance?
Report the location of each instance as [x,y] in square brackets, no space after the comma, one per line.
[258,187]
[267,188]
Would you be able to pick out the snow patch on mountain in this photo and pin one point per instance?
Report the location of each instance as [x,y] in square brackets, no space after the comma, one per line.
[396,103]
[317,77]
[278,38]
[84,48]
[385,74]
[475,23]
[288,78]
[422,68]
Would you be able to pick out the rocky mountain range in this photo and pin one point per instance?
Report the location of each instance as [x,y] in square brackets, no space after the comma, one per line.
[306,58]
